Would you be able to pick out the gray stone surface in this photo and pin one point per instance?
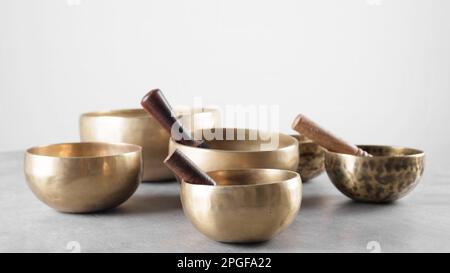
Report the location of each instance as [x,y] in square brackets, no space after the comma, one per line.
[152,221]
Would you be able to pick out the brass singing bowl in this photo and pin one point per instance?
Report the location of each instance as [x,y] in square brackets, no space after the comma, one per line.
[249,205]
[242,154]
[83,177]
[390,174]
[312,158]
[135,126]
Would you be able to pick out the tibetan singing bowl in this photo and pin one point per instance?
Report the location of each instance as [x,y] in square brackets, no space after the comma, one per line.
[249,205]
[239,149]
[312,158]
[83,177]
[390,174]
[135,126]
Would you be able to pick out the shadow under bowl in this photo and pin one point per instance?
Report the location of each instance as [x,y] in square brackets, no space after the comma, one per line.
[251,205]
[390,174]
[83,177]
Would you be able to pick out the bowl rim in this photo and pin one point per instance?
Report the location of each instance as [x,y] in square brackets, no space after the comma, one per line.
[295,177]
[294,142]
[136,149]
[116,113]
[417,152]
[140,113]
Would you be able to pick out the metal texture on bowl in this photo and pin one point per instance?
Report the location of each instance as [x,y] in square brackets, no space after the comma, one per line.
[312,158]
[135,126]
[249,205]
[242,154]
[390,174]
[83,177]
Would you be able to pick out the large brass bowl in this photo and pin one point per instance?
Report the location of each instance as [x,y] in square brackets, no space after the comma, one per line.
[83,177]
[243,154]
[312,158]
[390,174]
[135,126]
[249,205]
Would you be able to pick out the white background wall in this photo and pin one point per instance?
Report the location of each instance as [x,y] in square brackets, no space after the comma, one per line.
[374,71]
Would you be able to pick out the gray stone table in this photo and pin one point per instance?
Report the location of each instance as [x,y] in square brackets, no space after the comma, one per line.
[152,221]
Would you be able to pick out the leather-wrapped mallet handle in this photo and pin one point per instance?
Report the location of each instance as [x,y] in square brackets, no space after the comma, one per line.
[183,167]
[156,105]
[325,138]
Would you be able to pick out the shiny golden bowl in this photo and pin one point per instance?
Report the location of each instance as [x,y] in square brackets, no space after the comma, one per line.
[83,177]
[247,153]
[312,158]
[135,126]
[249,205]
[390,174]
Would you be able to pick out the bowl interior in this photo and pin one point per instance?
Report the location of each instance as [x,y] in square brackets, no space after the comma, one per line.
[390,151]
[84,149]
[250,177]
[247,140]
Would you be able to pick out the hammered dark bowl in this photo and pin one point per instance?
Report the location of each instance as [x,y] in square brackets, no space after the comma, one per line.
[390,174]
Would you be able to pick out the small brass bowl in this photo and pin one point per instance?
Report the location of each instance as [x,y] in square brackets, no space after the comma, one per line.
[312,158]
[135,126]
[249,205]
[242,154]
[83,177]
[390,174]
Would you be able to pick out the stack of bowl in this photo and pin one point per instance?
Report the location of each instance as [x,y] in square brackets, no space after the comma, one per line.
[257,195]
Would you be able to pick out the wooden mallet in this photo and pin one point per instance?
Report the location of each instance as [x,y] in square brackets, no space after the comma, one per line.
[156,105]
[184,168]
[325,138]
